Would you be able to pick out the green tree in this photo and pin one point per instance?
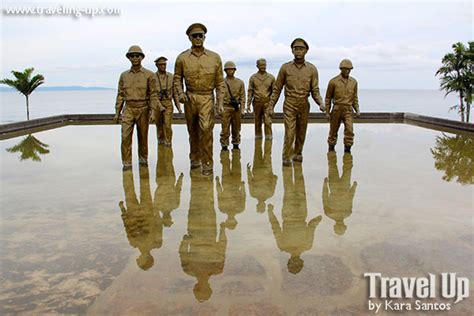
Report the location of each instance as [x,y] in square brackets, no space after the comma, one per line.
[456,76]
[30,148]
[25,84]
[455,156]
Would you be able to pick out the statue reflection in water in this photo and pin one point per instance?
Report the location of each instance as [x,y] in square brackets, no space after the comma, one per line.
[202,250]
[295,235]
[338,193]
[231,190]
[262,181]
[143,224]
[30,148]
[168,190]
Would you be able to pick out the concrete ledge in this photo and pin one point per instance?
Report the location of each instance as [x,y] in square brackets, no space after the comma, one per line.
[25,127]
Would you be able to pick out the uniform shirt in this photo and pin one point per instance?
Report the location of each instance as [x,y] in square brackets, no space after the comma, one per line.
[299,82]
[260,86]
[237,88]
[165,82]
[137,86]
[342,92]
[201,74]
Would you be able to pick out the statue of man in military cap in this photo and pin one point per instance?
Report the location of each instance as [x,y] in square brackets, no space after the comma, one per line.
[342,92]
[234,103]
[259,93]
[201,70]
[166,96]
[137,91]
[300,79]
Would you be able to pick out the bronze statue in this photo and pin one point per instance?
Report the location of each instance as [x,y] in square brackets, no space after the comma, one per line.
[137,90]
[201,70]
[300,79]
[259,93]
[166,96]
[234,103]
[342,91]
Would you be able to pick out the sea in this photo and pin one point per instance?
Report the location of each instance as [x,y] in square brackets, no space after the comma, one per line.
[50,103]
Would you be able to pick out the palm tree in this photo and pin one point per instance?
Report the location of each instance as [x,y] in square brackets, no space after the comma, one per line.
[454,75]
[455,156]
[24,84]
[30,148]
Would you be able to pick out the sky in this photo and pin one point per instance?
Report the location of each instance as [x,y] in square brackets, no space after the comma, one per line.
[393,45]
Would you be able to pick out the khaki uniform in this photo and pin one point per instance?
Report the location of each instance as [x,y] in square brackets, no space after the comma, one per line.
[230,117]
[168,189]
[202,74]
[262,181]
[142,224]
[299,82]
[295,235]
[137,90]
[338,193]
[231,189]
[259,93]
[343,93]
[164,82]
[202,250]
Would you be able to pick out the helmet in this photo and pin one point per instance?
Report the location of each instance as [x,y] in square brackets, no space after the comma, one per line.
[229,65]
[135,49]
[346,63]
[299,41]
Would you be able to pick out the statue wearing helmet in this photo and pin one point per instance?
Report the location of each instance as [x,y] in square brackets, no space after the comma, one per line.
[234,104]
[137,93]
[342,93]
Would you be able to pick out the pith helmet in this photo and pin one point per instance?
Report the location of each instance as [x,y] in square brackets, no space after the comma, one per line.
[346,63]
[229,65]
[196,26]
[135,49]
[299,41]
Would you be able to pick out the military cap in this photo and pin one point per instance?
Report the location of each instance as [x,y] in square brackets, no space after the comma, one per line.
[297,41]
[135,49]
[196,26]
[161,58]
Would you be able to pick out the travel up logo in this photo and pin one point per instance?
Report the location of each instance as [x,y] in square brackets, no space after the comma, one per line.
[389,290]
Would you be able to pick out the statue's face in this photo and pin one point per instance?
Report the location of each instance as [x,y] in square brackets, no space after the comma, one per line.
[299,51]
[161,66]
[345,72]
[230,72]
[135,59]
[197,39]
[262,66]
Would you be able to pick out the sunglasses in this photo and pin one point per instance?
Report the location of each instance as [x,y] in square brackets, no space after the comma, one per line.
[134,55]
[197,35]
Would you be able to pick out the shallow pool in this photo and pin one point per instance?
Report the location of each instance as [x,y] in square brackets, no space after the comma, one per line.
[79,236]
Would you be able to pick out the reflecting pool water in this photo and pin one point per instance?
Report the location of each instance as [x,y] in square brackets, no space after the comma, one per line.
[78,235]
